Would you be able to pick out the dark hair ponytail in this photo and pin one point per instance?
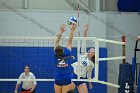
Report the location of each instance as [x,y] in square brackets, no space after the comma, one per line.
[93,59]
[59,50]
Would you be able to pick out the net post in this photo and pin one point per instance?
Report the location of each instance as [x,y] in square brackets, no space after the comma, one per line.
[78,55]
[123,48]
[96,58]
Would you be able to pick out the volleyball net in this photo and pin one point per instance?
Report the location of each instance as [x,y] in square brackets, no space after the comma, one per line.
[37,52]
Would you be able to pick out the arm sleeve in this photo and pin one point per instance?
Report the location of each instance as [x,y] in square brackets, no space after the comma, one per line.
[34,82]
[89,74]
[74,64]
[67,52]
[83,48]
[20,77]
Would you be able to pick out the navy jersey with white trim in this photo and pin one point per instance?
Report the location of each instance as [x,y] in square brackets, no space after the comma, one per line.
[63,63]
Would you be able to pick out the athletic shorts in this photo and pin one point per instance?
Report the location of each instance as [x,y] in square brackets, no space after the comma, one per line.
[26,91]
[77,83]
[63,80]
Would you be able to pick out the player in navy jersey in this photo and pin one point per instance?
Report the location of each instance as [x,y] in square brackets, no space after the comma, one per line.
[62,57]
[87,59]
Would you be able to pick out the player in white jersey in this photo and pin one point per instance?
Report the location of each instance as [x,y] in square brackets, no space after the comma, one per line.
[87,61]
[26,85]
[138,37]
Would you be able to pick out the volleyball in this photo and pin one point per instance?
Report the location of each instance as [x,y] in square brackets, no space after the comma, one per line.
[72,20]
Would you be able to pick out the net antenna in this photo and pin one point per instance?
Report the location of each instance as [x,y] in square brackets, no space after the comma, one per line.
[78,41]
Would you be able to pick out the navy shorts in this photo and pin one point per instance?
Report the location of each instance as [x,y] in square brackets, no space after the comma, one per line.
[24,90]
[77,83]
[63,80]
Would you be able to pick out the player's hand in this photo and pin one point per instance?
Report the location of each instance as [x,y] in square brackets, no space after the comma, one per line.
[73,57]
[31,90]
[62,28]
[138,37]
[86,27]
[15,91]
[90,86]
[72,27]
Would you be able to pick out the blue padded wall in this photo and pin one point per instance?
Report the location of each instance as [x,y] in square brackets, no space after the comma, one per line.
[13,60]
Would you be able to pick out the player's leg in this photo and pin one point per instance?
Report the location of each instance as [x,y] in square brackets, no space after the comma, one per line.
[57,88]
[82,88]
[72,85]
[66,84]
[66,88]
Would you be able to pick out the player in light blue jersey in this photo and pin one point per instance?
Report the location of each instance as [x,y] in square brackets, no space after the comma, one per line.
[87,61]
[63,57]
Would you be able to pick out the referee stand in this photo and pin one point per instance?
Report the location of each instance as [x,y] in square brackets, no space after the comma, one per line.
[127,72]
[137,77]
[126,80]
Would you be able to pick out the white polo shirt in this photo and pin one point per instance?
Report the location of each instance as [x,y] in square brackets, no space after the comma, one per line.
[86,67]
[27,84]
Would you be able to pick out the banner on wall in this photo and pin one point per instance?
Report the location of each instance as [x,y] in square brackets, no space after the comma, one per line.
[126,80]
[128,5]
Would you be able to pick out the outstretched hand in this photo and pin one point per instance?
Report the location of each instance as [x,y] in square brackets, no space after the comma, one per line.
[85,30]
[90,86]
[15,91]
[31,90]
[72,27]
[62,28]
[138,37]
[86,27]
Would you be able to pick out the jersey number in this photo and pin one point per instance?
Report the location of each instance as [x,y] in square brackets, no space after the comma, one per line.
[84,63]
[61,62]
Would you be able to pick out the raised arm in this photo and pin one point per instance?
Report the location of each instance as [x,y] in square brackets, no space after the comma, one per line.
[18,84]
[72,28]
[34,84]
[89,75]
[62,29]
[16,89]
[83,49]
